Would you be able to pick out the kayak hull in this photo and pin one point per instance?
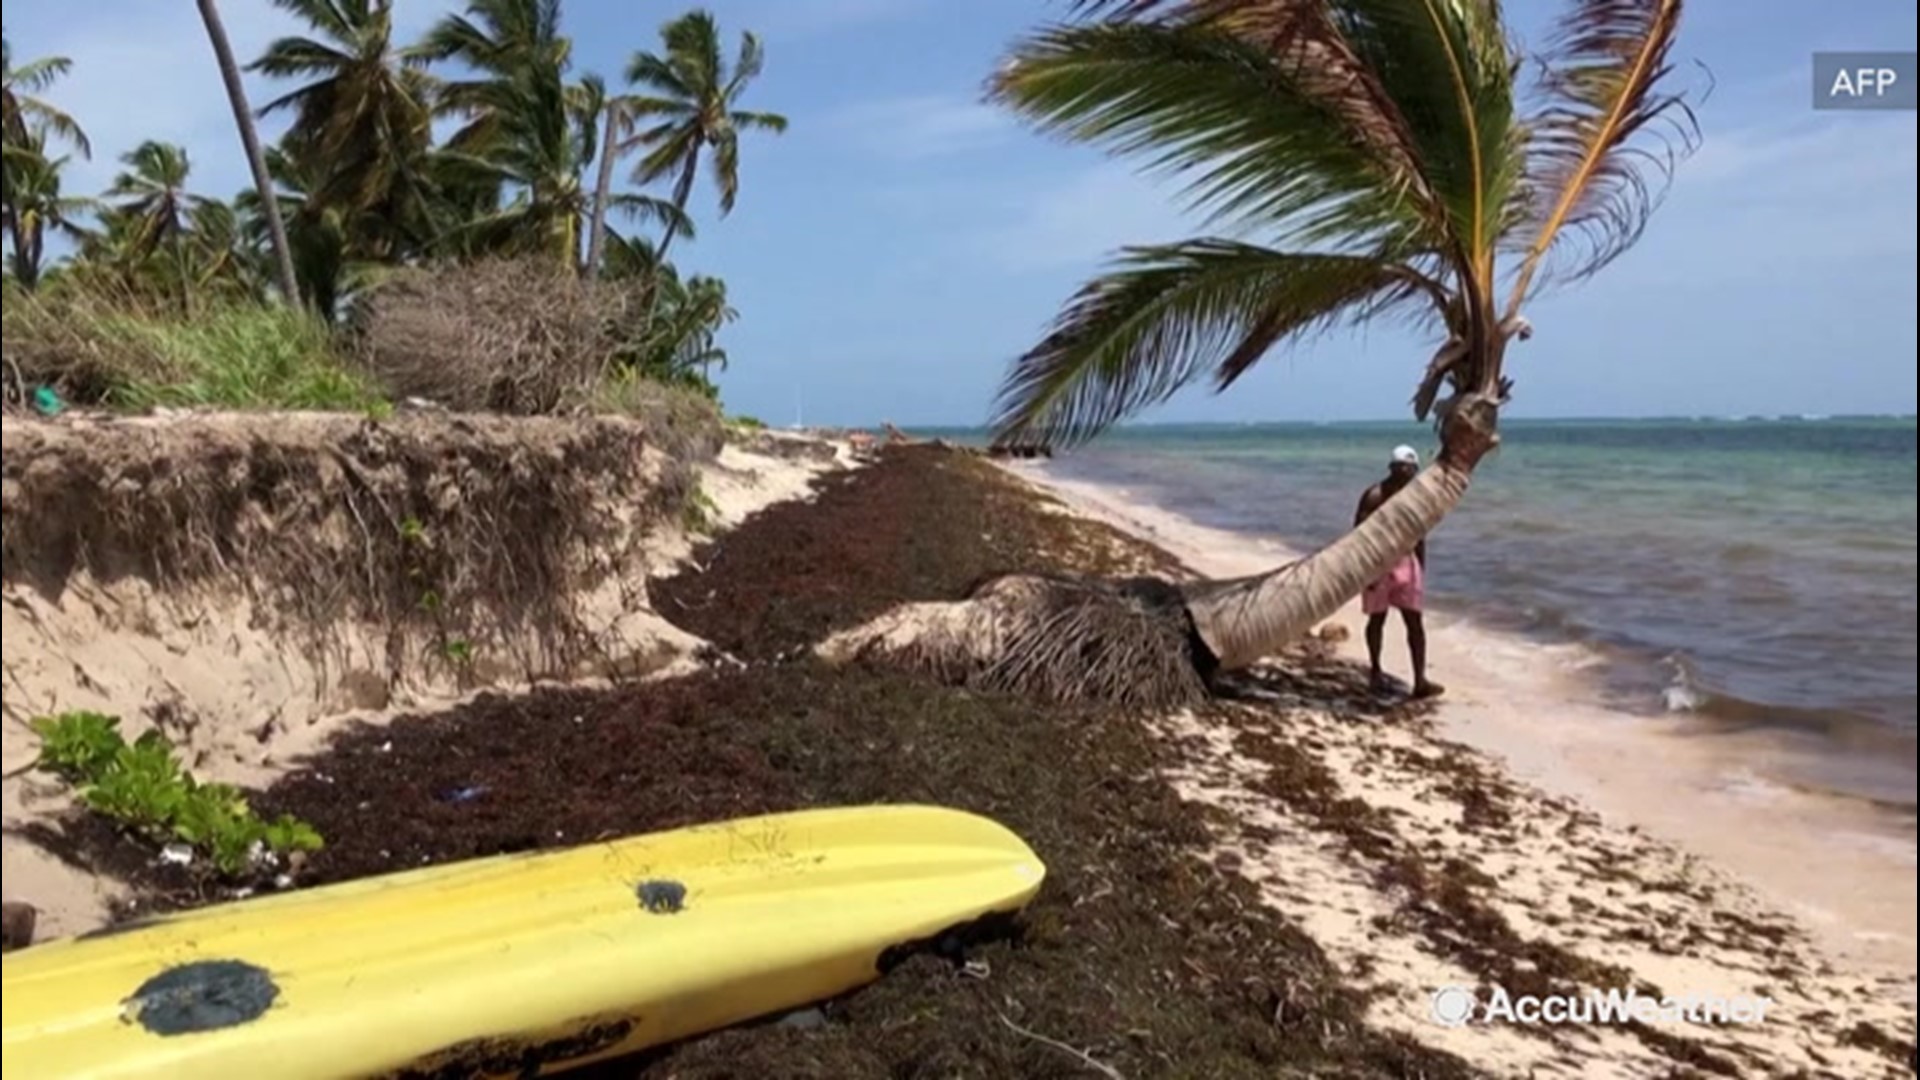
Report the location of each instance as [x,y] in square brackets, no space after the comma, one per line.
[517,965]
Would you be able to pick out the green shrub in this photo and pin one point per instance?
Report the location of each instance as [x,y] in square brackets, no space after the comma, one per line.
[78,744]
[142,786]
[98,346]
[687,424]
[245,357]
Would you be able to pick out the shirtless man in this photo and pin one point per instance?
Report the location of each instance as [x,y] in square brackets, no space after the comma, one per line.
[1404,586]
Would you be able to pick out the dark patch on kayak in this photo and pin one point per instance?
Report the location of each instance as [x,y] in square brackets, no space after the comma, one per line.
[662,897]
[953,943]
[208,995]
[517,1057]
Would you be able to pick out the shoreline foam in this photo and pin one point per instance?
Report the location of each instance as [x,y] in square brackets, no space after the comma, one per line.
[1843,869]
[1787,643]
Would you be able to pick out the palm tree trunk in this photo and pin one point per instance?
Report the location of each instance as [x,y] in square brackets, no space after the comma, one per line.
[25,262]
[603,190]
[182,274]
[682,191]
[250,138]
[1245,619]
[29,274]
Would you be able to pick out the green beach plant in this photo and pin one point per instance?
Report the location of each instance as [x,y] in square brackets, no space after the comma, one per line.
[1363,160]
[98,342]
[143,787]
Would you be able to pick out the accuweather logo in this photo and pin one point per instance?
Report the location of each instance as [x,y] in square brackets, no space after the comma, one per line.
[1457,1006]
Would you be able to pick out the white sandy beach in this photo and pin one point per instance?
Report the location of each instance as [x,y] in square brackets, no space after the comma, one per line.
[1663,806]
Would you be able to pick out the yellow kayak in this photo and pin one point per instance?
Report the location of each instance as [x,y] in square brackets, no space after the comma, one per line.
[517,965]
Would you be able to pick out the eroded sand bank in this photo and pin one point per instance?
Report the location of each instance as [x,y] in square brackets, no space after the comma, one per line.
[244,705]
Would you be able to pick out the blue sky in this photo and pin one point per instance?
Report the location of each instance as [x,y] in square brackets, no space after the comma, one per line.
[903,242]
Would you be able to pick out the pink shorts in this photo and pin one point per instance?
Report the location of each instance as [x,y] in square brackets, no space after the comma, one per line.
[1404,587]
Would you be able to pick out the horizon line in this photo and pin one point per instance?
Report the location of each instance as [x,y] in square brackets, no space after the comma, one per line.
[1693,418]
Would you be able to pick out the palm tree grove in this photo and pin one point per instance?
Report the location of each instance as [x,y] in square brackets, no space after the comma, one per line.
[477,156]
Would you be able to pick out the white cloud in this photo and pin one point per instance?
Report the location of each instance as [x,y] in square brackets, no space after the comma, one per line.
[1822,152]
[922,126]
[1829,191]
[774,19]
[1084,221]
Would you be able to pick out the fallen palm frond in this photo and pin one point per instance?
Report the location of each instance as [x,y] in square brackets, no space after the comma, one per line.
[1049,637]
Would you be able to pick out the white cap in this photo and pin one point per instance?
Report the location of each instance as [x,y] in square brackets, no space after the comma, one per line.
[1406,455]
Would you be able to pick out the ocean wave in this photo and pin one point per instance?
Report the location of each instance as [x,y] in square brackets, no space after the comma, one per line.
[1687,692]
[1679,585]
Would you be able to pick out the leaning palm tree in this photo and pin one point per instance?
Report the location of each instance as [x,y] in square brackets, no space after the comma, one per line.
[250,140]
[322,252]
[1375,158]
[615,114]
[691,98]
[22,113]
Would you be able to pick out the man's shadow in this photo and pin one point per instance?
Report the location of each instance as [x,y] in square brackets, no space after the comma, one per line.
[1310,679]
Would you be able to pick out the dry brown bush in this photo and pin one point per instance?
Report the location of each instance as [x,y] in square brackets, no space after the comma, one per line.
[521,335]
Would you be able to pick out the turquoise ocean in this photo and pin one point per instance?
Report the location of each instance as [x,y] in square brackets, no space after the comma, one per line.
[1757,574]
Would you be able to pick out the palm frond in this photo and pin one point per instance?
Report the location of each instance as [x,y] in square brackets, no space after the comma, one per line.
[1448,67]
[693,48]
[763,121]
[290,57]
[589,104]
[1258,146]
[1139,333]
[330,17]
[650,208]
[35,76]
[646,69]
[21,110]
[747,66]
[726,170]
[1603,75]
[672,146]
[59,123]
